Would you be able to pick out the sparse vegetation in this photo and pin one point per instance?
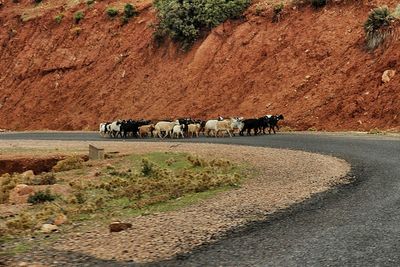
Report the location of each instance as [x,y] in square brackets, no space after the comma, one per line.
[41,197]
[78,16]
[90,2]
[183,21]
[112,12]
[377,26]
[128,185]
[59,18]
[37,1]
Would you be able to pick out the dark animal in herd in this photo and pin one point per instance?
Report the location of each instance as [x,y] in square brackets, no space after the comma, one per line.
[127,128]
[260,124]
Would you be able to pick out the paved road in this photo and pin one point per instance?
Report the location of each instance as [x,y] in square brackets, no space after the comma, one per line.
[358,225]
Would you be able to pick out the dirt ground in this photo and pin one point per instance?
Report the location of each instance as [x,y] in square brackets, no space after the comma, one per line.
[283,177]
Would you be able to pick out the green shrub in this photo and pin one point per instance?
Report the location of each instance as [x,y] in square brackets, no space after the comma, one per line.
[318,3]
[130,11]
[112,12]
[147,167]
[40,197]
[37,1]
[377,26]
[78,16]
[90,2]
[184,20]
[59,18]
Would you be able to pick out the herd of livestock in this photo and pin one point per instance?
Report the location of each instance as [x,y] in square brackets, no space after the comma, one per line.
[187,127]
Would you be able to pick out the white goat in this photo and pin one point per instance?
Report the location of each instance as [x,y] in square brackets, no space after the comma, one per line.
[164,126]
[177,130]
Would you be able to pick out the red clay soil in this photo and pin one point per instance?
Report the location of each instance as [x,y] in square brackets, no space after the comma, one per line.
[311,66]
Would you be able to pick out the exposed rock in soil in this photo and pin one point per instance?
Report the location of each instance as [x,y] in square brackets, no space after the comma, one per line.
[119,226]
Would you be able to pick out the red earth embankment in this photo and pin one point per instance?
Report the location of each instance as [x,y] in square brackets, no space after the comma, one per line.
[311,66]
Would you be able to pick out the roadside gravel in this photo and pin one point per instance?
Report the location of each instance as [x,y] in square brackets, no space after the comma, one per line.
[284,177]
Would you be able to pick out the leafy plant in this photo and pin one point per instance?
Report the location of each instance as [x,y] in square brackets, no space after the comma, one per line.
[78,16]
[318,3]
[90,2]
[41,196]
[112,12]
[184,20]
[377,26]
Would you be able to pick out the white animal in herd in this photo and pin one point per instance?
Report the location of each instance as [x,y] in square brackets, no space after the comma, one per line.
[164,126]
[177,131]
[217,126]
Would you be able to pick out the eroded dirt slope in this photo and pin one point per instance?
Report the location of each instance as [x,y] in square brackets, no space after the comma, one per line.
[311,66]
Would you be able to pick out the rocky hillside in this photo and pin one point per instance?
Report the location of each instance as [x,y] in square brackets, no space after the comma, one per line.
[311,66]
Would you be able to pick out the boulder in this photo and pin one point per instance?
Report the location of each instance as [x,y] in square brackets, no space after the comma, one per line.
[48,228]
[388,75]
[119,226]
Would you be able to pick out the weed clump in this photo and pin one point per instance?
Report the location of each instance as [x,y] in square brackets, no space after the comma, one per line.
[377,26]
[7,183]
[41,197]
[78,16]
[129,12]
[59,18]
[112,12]
[70,163]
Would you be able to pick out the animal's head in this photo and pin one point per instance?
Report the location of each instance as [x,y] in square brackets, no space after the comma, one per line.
[279,117]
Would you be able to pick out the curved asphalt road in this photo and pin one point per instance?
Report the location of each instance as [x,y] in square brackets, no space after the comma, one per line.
[357,225]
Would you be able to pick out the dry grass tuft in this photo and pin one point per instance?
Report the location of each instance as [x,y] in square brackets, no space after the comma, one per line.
[70,163]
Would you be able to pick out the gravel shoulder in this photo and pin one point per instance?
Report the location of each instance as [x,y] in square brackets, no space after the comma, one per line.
[283,177]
